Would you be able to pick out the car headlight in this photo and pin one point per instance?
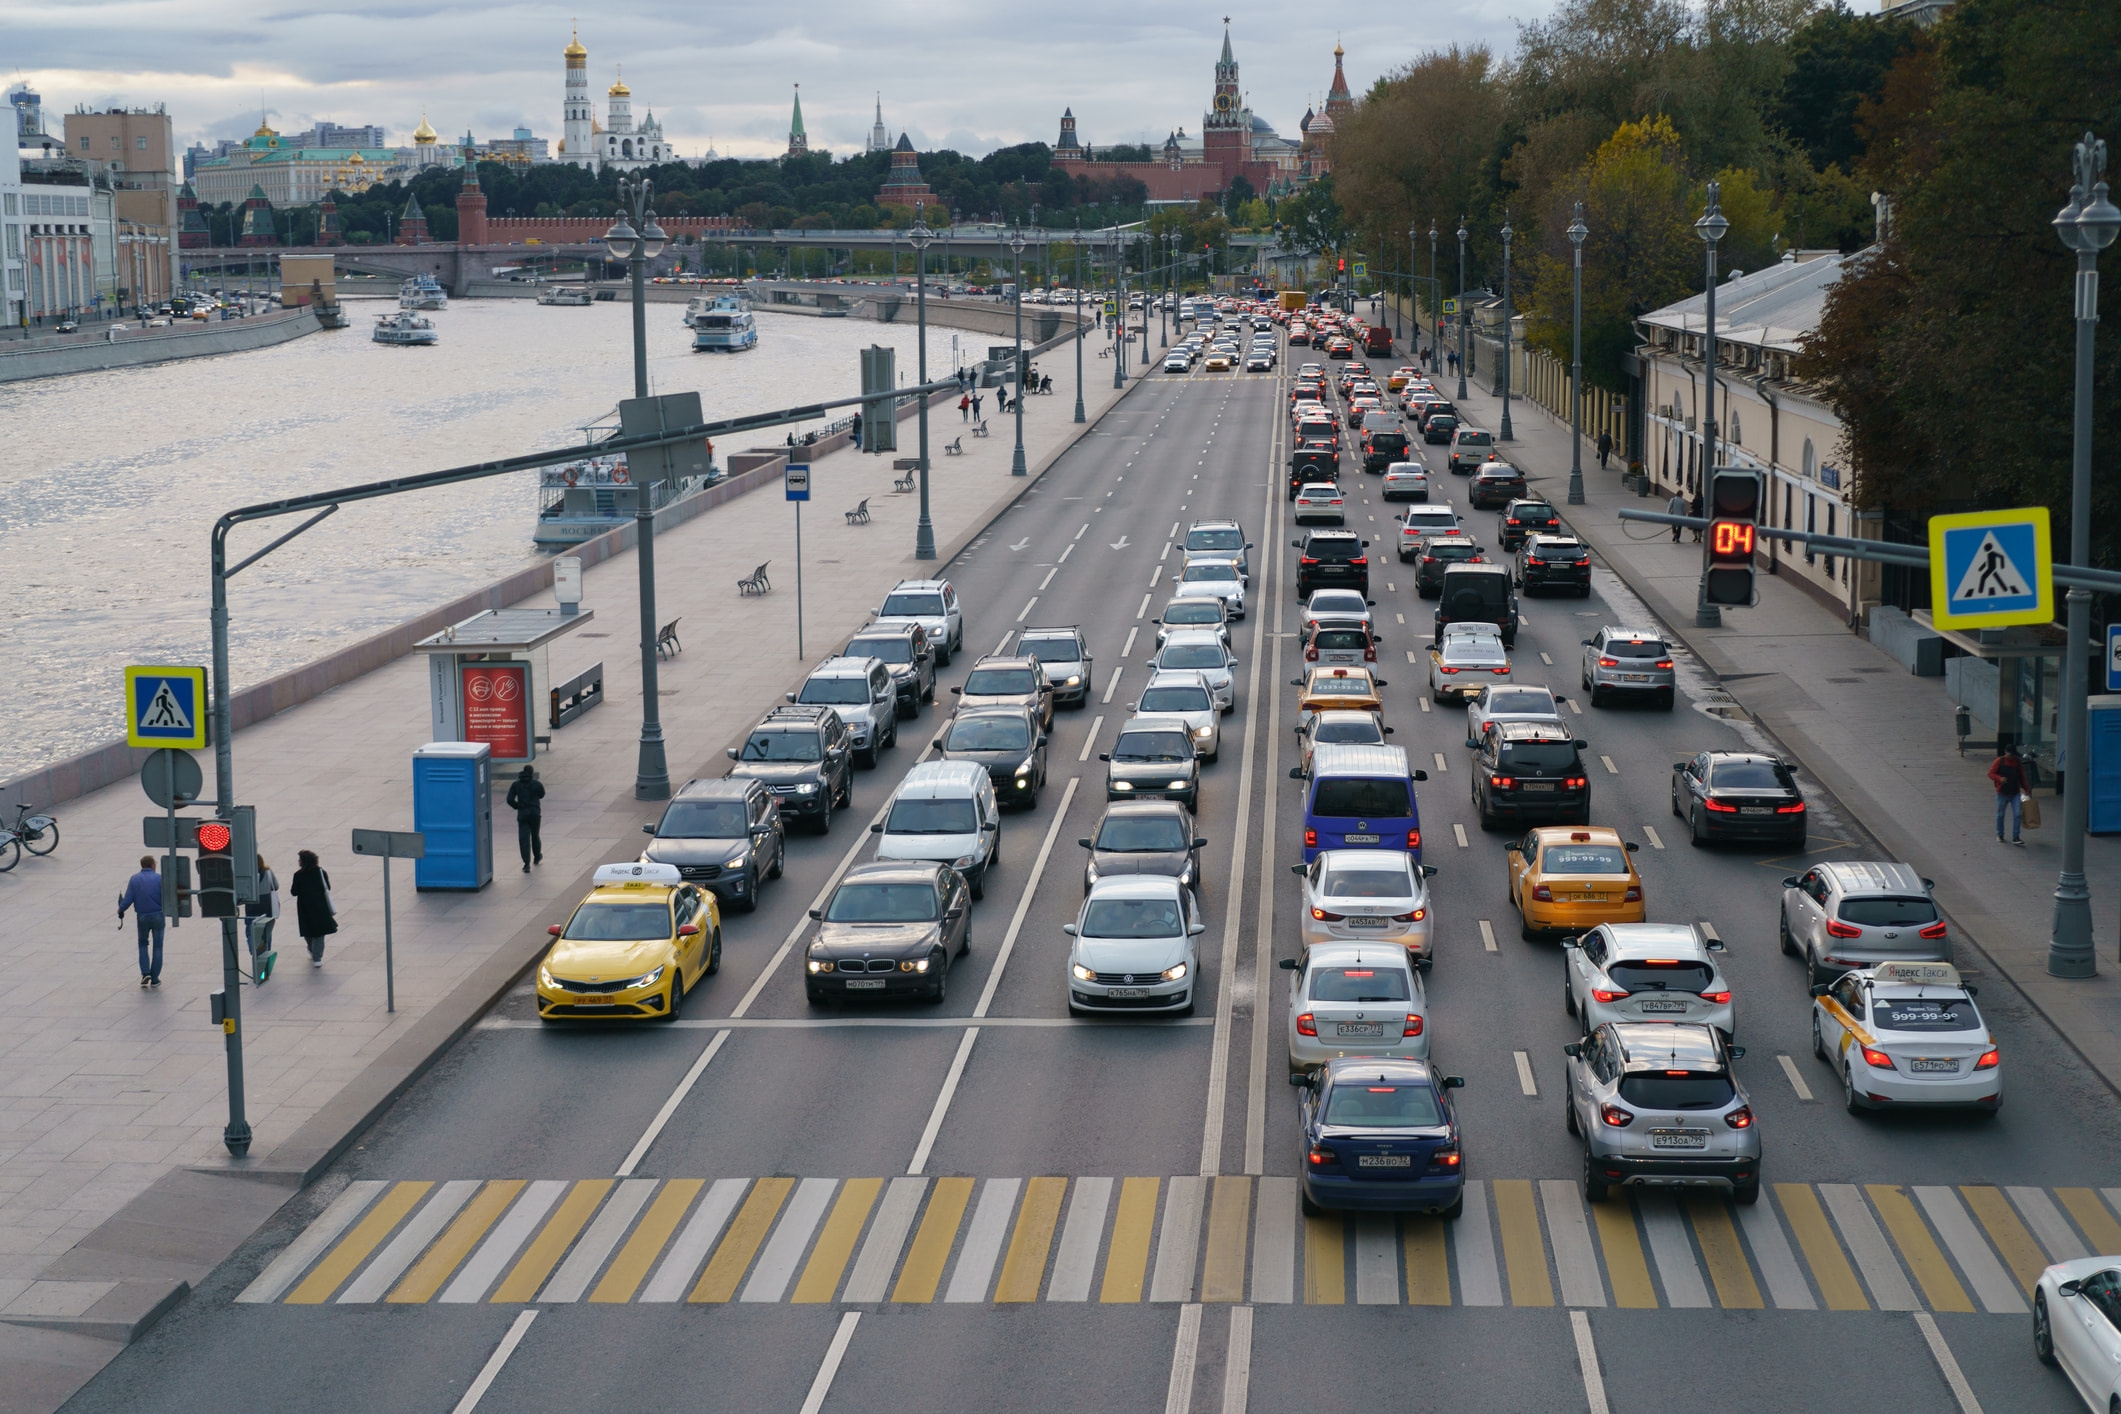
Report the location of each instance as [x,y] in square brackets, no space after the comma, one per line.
[1082,973]
[545,976]
[649,979]
[1204,733]
[1172,974]
[1025,768]
[1074,680]
[807,788]
[1123,785]
[820,964]
[1090,872]
[965,863]
[1178,785]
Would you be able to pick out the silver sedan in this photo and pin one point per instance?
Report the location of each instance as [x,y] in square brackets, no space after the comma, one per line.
[1509,702]
[1202,651]
[1186,694]
[1366,895]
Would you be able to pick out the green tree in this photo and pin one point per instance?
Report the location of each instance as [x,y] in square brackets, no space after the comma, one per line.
[1838,60]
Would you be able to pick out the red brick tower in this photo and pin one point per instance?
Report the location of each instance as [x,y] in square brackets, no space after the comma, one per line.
[1226,129]
[471,204]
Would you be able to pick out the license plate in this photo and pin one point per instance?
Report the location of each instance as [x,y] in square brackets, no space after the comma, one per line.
[598,1001]
[867,985]
[1663,1006]
[1756,810]
[1384,1161]
[1126,993]
[1931,1067]
[1634,677]
[1677,1139]
[1367,922]
[1539,785]
[1371,1030]
[1360,839]
[1583,898]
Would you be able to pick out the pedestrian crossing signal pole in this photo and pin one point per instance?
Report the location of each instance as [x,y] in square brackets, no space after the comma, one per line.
[1734,529]
[1711,228]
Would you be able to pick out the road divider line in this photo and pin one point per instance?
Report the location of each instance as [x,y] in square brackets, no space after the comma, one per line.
[1459,832]
[492,1368]
[1610,768]
[1942,1354]
[1085,530]
[1649,832]
[1441,763]
[1130,640]
[1112,683]
[1574,708]
[1237,1363]
[1525,1082]
[670,1106]
[1274,568]
[942,1103]
[1023,904]
[1586,1361]
[1789,1068]
[1178,1394]
[1424,703]
[1049,576]
[1546,660]
[830,1365]
[1144,606]
[1090,739]
[1027,610]
[1487,935]
[1166,553]
[1156,576]
[1401,617]
[1064,554]
[1002,646]
[1410,655]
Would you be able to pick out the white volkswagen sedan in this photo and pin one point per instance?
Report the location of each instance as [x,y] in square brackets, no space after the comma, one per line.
[1354,999]
[1133,948]
[1213,579]
[1366,895]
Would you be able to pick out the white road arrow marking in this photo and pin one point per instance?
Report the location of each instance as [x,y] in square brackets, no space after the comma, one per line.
[1122,543]
[1021,543]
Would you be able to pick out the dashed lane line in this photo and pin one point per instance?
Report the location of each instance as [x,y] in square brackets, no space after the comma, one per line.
[1789,1068]
[1090,739]
[1144,606]
[1112,684]
[1649,832]
[1610,768]
[1130,641]
[1424,703]
[1049,577]
[1546,660]
[1441,764]
[1525,1082]
[1027,609]
[1459,831]
[492,1369]
[1574,708]
[821,1385]
[1586,1361]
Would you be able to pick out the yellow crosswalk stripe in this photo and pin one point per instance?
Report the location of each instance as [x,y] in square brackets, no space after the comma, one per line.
[835,1244]
[2013,1243]
[1428,1270]
[1024,1268]
[1625,1267]
[1229,1219]
[1735,1288]
[1133,1225]
[1831,1271]
[923,1271]
[2092,1216]
[552,1241]
[741,1243]
[354,1249]
[1524,1251]
[1917,1248]
[1325,1262]
[456,1242]
[630,1268]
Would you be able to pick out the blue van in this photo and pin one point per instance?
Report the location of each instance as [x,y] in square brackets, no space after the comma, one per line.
[1361,797]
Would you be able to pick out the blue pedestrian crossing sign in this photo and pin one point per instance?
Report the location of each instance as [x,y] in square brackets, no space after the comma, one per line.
[165,706]
[2113,657]
[1991,569]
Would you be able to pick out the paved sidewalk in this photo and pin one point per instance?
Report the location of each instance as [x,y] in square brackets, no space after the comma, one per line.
[107,1090]
[1878,737]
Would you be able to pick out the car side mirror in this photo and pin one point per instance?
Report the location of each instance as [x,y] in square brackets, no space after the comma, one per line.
[1289,964]
[1718,945]
[647,829]
[688,930]
[1231,664]
[876,828]
[1587,643]
[1296,868]
[1929,883]
[553,928]
[1195,930]
[954,692]
[1200,844]
[1296,682]
[1428,871]
[1633,847]
[1372,603]
[1302,1081]
[1296,773]
[789,696]
[817,913]
[1248,544]
[1582,745]
[730,752]
[1573,1049]
[1296,544]
[1790,882]
[1971,990]
[1820,989]
[1084,842]
[2070,1288]
[1454,1082]
[938,743]
[1737,1053]
[1104,756]
[1069,929]
[1572,942]
[1679,765]
[1380,682]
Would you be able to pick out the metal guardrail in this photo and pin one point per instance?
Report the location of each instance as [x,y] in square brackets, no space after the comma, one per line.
[577,695]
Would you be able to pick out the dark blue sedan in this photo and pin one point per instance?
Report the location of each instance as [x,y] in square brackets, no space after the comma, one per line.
[1381,1135]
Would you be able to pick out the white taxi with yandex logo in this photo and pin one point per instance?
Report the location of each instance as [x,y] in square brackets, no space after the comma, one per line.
[1906,1033]
[639,939]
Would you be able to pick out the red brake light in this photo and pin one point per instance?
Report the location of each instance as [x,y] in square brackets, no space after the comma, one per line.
[1363,561]
[1415,917]
[1543,894]
[1797,809]
[1602,994]
[1308,560]
[1369,655]
[1310,839]
[1633,895]
[1307,1025]
[1720,807]
[1501,671]
[1608,662]
[1534,560]
[1311,654]
[1717,997]
[1877,1058]
[1835,928]
[1413,1026]
[1935,930]
[1615,1116]
[1502,782]
[1321,1157]
[1514,520]
[1989,1060]
[1445,1160]
[1324,917]
[1740,1118]
[1661,662]
[1428,559]
[1449,670]
[1414,842]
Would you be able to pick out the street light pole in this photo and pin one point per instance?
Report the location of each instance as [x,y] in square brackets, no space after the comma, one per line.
[1502,375]
[2087,225]
[1119,312]
[1412,322]
[1577,232]
[1079,320]
[1711,228]
[1435,345]
[918,238]
[1016,251]
[637,242]
[1461,309]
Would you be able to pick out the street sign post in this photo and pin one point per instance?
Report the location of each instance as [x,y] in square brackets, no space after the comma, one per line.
[165,706]
[388,845]
[171,778]
[796,483]
[1991,569]
[1450,306]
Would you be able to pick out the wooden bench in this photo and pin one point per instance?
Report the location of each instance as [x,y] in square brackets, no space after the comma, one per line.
[955,447]
[860,514]
[905,484]
[666,641]
[755,582]
[578,694]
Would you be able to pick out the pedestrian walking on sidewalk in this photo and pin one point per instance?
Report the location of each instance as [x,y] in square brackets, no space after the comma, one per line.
[854,432]
[526,796]
[975,407]
[2008,773]
[258,917]
[143,895]
[316,915]
[1695,510]
[964,406]
[1605,448]
[1677,506]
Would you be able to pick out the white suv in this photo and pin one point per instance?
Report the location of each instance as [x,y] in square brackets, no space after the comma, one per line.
[931,603]
[865,695]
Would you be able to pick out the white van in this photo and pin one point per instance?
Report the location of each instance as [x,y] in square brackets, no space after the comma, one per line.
[945,811]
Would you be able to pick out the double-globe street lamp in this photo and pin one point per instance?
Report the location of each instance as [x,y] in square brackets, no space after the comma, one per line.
[638,241]
[1711,228]
[1079,320]
[1016,251]
[1502,375]
[1464,315]
[918,238]
[2087,226]
[1576,233]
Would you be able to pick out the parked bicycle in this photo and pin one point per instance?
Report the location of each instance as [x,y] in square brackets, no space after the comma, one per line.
[38,833]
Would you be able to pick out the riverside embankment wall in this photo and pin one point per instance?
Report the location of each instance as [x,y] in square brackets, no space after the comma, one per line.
[136,348]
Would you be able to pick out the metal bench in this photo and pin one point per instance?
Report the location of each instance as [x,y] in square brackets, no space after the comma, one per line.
[860,514]
[755,582]
[906,483]
[577,695]
[955,447]
[979,429]
[666,640]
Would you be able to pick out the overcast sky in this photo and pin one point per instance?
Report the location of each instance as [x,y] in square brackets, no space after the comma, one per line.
[965,76]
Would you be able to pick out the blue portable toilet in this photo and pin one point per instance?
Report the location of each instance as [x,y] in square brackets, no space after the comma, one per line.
[2102,729]
[452,805]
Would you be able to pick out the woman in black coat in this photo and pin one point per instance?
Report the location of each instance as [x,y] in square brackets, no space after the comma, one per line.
[314,915]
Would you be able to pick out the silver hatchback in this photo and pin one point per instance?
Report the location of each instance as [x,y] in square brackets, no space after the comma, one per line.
[1658,1106]
[1857,914]
[1648,972]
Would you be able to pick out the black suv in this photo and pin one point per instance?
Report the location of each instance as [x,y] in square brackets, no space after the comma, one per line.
[1332,559]
[1437,553]
[1522,518]
[805,756]
[1481,594]
[1495,484]
[1530,771]
[1381,446]
[1312,462]
[903,648]
[1554,562]
[725,834]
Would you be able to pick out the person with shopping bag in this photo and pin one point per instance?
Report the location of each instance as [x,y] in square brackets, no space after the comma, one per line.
[258,918]
[316,915]
[2007,773]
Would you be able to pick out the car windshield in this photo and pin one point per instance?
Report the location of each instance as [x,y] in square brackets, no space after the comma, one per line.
[1677,1092]
[1366,883]
[1923,1014]
[1231,539]
[1534,512]
[930,817]
[1520,699]
[1634,648]
[1749,775]
[1660,975]
[989,734]
[619,922]
[1051,650]
[1175,699]
[1383,1107]
[835,691]
[781,746]
[1190,655]
[1879,912]
[1363,731]
[1470,438]
[1194,611]
[1212,570]
[912,606]
[1537,755]
[1000,682]
[704,820]
[1453,550]
[1144,836]
[886,650]
[1359,984]
[1584,859]
[1373,798]
[1339,602]
[1341,638]
[1152,746]
[1131,918]
[882,903]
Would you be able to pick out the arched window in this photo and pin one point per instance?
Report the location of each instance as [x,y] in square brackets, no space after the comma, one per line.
[626,148]
[1737,434]
[1811,461]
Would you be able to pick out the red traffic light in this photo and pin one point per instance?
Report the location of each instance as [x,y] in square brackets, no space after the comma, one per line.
[214,836]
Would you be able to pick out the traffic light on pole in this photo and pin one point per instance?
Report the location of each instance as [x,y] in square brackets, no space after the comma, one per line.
[217,870]
[1734,528]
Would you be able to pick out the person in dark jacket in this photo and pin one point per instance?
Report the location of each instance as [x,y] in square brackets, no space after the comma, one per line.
[315,916]
[143,895]
[1605,448]
[526,796]
[2007,774]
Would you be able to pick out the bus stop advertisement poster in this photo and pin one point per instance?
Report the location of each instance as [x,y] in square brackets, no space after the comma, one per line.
[496,699]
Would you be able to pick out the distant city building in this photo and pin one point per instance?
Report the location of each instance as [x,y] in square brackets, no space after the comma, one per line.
[618,143]
[1922,12]
[326,134]
[520,149]
[300,176]
[133,152]
[60,240]
[29,117]
[798,140]
[13,237]
[879,137]
[904,187]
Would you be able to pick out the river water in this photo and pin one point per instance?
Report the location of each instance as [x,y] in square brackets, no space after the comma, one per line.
[110,483]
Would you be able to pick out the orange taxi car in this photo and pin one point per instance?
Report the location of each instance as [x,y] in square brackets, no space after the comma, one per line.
[1568,879]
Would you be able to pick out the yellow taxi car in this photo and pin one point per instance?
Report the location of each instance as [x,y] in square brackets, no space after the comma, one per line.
[1401,377]
[1325,688]
[1216,362]
[1568,879]
[636,942]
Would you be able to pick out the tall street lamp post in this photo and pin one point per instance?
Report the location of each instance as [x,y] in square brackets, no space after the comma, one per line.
[1119,313]
[2087,226]
[1502,375]
[1577,232]
[918,238]
[1079,320]
[638,241]
[1016,251]
[1436,346]
[1711,228]
[1462,310]
[1410,327]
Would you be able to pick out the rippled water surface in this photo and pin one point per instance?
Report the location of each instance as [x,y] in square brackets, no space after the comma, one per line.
[110,484]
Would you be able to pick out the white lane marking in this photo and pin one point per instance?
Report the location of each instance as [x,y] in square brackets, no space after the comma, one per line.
[1023,904]
[887,1238]
[1673,1252]
[1090,740]
[1130,641]
[675,1274]
[1546,660]
[1574,708]
[1237,1364]
[322,1231]
[983,1240]
[1772,1254]
[1075,1257]
[1112,683]
[791,1237]
[1144,607]
[1789,1068]
[1570,1234]
[1173,531]
[1998,1292]
[1441,764]
[836,1023]
[1942,1353]
[1860,1234]
[942,1103]
[1027,609]
[1649,832]
[587,1259]
[495,1361]
[1473,1245]
[1178,1394]
[501,1245]
[677,1097]
[1166,553]
[1424,703]
[382,1274]
[1401,617]
[1080,533]
[1587,1362]
[1487,936]
[1410,655]
[1458,831]
[1021,543]
[999,647]
[1525,1082]
[1156,576]
[1049,576]
[2048,1224]
[830,1365]
[1610,768]
[1275,561]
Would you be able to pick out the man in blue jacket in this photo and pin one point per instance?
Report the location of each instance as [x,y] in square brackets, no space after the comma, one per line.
[143,895]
